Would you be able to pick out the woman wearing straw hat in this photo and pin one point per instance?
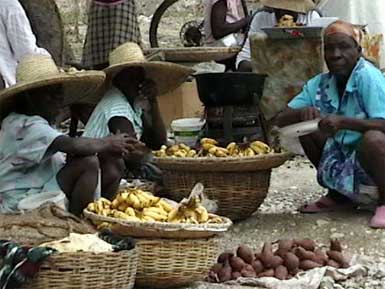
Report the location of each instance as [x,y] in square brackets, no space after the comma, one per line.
[31,159]
[130,105]
[301,10]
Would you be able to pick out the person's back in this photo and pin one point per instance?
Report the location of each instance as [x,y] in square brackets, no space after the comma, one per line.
[16,39]
[227,16]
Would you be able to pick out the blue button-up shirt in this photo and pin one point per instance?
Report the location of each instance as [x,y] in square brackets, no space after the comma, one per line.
[364,97]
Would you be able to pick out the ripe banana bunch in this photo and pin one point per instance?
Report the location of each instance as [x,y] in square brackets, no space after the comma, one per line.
[132,205]
[140,206]
[260,147]
[185,214]
[211,148]
[100,207]
[177,151]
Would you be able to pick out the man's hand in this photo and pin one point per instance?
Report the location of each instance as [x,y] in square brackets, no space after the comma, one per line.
[331,124]
[120,144]
[309,113]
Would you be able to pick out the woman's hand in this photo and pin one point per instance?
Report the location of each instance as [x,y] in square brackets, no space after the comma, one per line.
[331,124]
[309,113]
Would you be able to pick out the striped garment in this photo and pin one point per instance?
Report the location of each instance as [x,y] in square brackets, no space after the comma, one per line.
[108,27]
[113,104]
[26,165]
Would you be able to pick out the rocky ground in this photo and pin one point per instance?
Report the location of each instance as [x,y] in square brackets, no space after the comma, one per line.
[291,185]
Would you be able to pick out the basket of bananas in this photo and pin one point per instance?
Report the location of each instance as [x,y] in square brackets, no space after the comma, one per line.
[140,214]
[176,242]
[236,176]
[240,157]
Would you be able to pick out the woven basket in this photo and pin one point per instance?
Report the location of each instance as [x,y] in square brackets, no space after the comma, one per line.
[239,185]
[160,229]
[167,263]
[83,270]
[238,194]
[229,164]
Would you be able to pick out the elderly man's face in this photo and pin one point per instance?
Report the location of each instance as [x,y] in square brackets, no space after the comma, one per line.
[47,100]
[341,54]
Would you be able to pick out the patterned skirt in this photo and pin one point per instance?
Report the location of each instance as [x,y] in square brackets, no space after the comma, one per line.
[108,27]
[339,169]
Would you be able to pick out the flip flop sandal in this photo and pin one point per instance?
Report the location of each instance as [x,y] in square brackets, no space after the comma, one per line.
[325,204]
[378,220]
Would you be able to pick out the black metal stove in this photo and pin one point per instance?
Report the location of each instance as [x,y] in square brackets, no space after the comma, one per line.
[232,106]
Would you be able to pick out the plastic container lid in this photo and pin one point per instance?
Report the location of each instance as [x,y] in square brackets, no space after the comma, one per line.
[188,124]
[300,129]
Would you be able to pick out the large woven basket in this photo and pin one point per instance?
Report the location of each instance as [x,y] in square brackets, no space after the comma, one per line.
[239,185]
[83,270]
[166,263]
[160,229]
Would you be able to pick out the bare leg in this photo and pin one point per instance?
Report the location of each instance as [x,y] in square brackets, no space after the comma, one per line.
[245,66]
[313,145]
[78,179]
[2,84]
[372,159]
[112,173]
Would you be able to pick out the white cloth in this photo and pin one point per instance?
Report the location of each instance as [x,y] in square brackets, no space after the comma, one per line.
[268,19]
[363,12]
[16,39]
[234,13]
[27,167]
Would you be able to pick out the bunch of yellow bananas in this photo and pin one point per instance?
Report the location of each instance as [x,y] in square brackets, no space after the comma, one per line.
[189,215]
[210,148]
[177,151]
[132,205]
[137,205]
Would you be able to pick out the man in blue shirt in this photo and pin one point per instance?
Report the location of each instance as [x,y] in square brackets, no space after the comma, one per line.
[349,149]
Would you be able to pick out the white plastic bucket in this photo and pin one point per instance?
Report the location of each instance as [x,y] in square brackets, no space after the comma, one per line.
[186,130]
[35,201]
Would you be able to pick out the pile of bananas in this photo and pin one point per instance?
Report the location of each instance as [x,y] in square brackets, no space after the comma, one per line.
[140,206]
[176,151]
[210,148]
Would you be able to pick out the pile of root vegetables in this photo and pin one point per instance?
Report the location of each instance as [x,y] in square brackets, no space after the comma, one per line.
[282,259]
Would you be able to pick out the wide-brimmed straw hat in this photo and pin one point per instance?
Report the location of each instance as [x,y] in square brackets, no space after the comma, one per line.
[166,75]
[38,71]
[300,6]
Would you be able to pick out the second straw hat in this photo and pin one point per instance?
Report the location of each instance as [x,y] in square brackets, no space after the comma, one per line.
[166,75]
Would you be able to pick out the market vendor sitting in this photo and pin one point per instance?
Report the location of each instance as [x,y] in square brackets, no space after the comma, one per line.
[349,149]
[300,12]
[31,159]
[225,22]
[130,106]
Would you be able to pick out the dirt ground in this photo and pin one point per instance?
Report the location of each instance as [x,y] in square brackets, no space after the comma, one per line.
[292,184]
